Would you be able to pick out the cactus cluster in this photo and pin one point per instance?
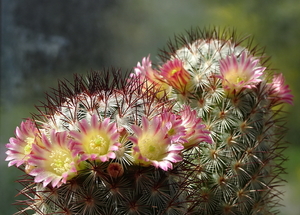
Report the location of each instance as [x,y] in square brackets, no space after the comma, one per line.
[200,133]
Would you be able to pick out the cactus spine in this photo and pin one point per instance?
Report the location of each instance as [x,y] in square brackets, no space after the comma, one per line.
[199,134]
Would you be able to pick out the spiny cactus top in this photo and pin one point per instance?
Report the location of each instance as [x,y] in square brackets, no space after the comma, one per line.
[197,134]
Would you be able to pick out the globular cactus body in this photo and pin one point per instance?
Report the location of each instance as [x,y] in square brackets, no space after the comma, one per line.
[199,134]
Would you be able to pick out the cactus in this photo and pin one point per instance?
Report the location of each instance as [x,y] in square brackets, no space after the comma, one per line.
[200,133]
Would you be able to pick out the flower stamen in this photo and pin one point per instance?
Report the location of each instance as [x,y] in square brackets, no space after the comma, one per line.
[60,161]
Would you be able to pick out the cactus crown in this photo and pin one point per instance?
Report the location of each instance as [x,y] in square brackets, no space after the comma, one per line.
[199,134]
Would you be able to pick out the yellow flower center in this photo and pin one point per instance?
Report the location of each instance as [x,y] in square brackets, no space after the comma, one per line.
[97,143]
[28,147]
[174,71]
[60,161]
[235,77]
[238,79]
[171,132]
[152,148]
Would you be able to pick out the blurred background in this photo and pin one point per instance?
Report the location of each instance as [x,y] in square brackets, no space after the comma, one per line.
[42,41]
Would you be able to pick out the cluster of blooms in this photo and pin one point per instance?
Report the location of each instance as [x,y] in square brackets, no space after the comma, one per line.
[57,157]
[208,105]
[188,70]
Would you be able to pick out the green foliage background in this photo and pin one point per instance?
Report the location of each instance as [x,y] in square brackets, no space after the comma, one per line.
[42,41]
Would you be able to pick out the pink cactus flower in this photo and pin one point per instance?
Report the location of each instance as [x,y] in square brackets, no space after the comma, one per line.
[153,146]
[145,69]
[175,75]
[20,148]
[279,91]
[146,73]
[56,162]
[241,72]
[173,123]
[98,140]
[195,131]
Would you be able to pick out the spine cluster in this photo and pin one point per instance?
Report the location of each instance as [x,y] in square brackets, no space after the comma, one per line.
[201,133]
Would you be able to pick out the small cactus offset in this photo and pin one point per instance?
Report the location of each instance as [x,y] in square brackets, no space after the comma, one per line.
[200,133]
